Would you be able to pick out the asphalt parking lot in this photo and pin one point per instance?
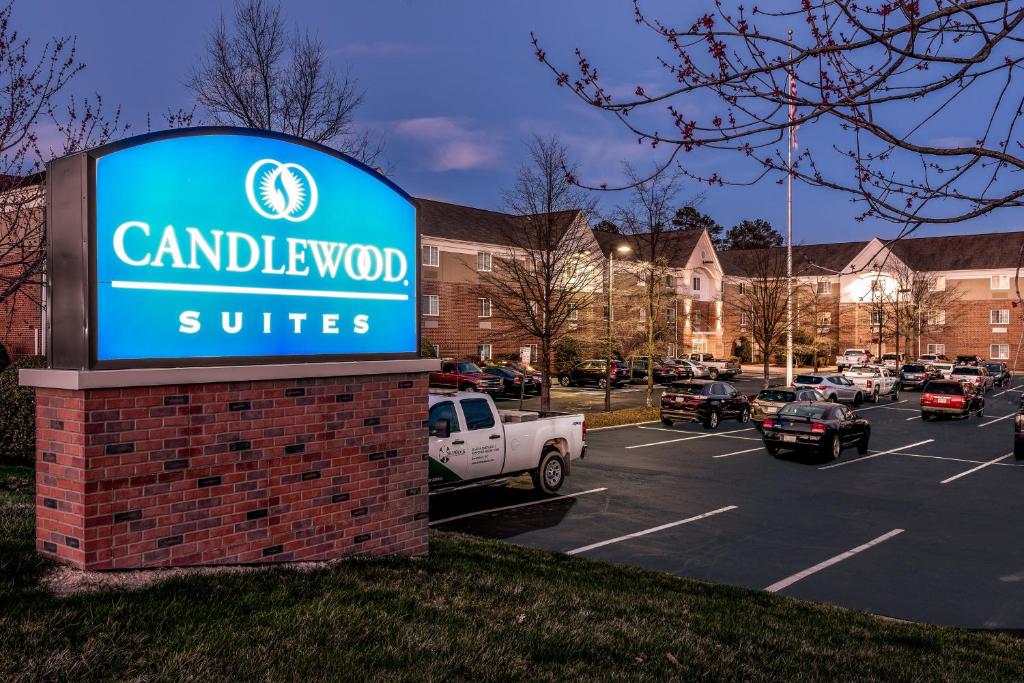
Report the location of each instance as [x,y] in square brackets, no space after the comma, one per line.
[927,526]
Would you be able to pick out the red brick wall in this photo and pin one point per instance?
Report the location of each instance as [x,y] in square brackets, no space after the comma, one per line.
[268,471]
[21,321]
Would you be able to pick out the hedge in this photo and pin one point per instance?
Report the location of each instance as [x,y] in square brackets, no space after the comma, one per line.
[18,414]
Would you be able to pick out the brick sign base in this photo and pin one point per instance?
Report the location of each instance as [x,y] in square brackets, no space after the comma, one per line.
[231,473]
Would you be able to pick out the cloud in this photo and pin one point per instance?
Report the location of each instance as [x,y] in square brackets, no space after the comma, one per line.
[381,48]
[451,144]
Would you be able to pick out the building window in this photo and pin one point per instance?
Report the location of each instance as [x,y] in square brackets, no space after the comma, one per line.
[744,318]
[999,317]
[698,320]
[703,256]
[937,285]
[643,315]
[574,313]
[742,288]
[670,314]
[937,349]
[1000,352]
[699,346]
[431,304]
[533,354]
[483,261]
[824,287]
[936,318]
[431,256]
[877,318]
[533,308]
[484,351]
[824,322]
[670,281]
[1000,282]
[696,284]
[485,308]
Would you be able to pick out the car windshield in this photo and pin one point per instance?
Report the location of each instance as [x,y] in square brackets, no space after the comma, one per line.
[994,367]
[469,368]
[776,396]
[689,389]
[913,368]
[808,379]
[966,371]
[808,410]
[951,388]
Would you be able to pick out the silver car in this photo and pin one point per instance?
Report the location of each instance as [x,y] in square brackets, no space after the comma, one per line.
[691,369]
[834,388]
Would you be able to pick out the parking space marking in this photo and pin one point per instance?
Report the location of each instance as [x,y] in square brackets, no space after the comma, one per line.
[916,417]
[790,580]
[998,419]
[1006,391]
[517,505]
[875,455]
[894,403]
[975,469]
[749,450]
[689,438]
[637,534]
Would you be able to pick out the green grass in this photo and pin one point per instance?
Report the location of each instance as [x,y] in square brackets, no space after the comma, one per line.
[473,610]
[623,417]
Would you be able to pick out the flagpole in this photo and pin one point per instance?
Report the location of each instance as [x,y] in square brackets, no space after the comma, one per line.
[789,234]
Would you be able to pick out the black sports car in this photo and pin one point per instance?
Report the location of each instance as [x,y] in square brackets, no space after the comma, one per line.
[825,428]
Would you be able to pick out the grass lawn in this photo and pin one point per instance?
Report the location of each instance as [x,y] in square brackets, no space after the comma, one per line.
[473,610]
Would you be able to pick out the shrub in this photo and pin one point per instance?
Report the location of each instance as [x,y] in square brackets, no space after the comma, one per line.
[5,358]
[568,352]
[427,349]
[18,414]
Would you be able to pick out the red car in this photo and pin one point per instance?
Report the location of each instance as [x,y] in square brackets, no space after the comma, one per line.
[465,376]
[951,397]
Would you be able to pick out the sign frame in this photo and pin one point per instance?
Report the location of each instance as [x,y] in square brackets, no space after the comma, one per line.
[71,282]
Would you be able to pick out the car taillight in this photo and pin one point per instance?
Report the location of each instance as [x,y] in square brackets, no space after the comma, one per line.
[927,397]
[869,384]
[817,428]
[584,430]
[516,380]
[957,400]
[768,424]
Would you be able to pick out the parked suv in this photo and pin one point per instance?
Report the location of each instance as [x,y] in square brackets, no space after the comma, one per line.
[950,397]
[968,360]
[915,376]
[595,371]
[1000,373]
[704,401]
[663,373]
[465,376]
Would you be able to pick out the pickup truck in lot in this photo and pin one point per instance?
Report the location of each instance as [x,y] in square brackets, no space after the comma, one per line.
[875,381]
[465,376]
[474,443]
[851,357]
[718,369]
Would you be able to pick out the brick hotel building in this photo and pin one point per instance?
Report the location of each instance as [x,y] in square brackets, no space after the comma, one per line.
[699,305]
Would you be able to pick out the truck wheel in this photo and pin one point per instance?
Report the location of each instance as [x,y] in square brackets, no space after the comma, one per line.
[772,450]
[468,387]
[925,416]
[602,383]
[832,398]
[874,397]
[667,422]
[565,381]
[895,394]
[712,420]
[713,373]
[550,475]
[858,399]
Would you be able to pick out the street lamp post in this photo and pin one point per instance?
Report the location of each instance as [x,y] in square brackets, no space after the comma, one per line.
[898,329]
[622,249]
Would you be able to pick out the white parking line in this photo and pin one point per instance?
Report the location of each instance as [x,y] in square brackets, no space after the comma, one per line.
[749,450]
[894,403]
[637,534]
[975,469]
[998,419]
[689,438]
[517,505]
[869,457]
[1006,391]
[790,580]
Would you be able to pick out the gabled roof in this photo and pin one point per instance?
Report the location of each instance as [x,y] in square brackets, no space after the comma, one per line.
[469,224]
[678,244]
[805,257]
[960,252]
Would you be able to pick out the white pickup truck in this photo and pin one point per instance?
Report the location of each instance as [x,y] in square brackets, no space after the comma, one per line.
[875,381]
[472,442]
[851,357]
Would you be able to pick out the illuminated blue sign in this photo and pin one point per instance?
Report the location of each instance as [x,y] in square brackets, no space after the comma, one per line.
[236,245]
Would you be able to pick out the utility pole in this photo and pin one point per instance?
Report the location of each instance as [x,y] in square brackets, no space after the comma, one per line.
[789,227]
[622,249]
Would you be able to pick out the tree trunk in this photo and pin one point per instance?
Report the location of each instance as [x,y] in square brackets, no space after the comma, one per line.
[764,357]
[545,372]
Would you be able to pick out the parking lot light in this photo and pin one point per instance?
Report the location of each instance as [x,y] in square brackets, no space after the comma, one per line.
[622,249]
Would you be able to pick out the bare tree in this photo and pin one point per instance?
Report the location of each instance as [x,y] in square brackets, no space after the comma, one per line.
[912,304]
[540,285]
[760,298]
[647,220]
[258,75]
[34,85]
[887,81]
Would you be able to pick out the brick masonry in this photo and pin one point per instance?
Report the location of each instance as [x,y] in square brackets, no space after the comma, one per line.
[250,472]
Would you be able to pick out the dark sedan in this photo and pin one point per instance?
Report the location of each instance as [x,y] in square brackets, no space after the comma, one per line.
[915,376]
[703,401]
[823,428]
[512,381]
[1000,373]
[595,372]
